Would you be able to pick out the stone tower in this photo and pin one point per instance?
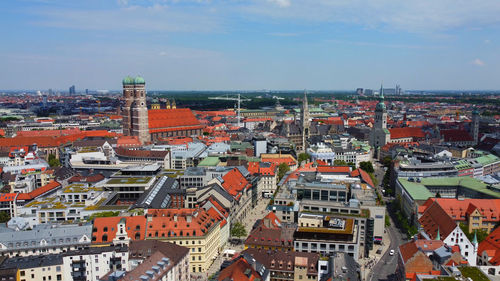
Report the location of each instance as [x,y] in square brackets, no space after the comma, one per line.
[135,111]
[380,136]
[474,129]
[128,94]
[306,123]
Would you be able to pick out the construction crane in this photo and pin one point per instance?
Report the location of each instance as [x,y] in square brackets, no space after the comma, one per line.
[235,98]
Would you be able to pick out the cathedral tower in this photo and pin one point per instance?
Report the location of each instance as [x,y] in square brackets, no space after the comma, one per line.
[135,111]
[128,94]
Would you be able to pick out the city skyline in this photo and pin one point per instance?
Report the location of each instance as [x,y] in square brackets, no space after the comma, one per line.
[273,44]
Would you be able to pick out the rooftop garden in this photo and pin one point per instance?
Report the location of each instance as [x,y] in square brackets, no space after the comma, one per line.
[96,205]
[80,188]
[88,149]
[141,180]
[474,273]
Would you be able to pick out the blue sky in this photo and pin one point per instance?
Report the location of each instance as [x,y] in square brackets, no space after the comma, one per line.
[250,45]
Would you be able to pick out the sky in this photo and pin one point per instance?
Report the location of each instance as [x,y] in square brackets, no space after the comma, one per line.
[250,44]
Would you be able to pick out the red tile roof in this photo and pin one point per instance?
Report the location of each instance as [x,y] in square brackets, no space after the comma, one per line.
[171,118]
[162,223]
[236,272]
[364,176]
[435,218]
[39,191]
[334,169]
[107,227]
[91,179]
[259,168]
[492,247]
[408,132]
[49,133]
[408,250]
[181,222]
[7,197]
[234,182]
[284,159]
[128,141]
[458,210]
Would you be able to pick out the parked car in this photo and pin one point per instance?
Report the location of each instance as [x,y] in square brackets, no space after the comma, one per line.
[391,252]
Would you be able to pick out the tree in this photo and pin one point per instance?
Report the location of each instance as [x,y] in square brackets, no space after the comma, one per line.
[338,162]
[283,168]
[387,161]
[367,166]
[4,217]
[53,161]
[238,230]
[352,165]
[438,195]
[304,157]
[480,234]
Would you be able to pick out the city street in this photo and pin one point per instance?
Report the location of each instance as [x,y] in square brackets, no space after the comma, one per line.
[386,267]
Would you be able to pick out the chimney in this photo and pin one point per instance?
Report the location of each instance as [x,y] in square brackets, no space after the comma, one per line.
[175,217]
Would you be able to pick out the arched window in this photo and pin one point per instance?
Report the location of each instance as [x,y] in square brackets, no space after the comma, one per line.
[104,238]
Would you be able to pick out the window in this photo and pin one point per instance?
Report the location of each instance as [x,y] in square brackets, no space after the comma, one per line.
[315,195]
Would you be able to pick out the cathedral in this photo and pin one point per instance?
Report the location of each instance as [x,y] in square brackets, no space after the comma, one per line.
[380,136]
[155,124]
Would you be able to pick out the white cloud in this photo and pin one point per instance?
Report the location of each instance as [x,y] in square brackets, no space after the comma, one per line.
[478,62]
[154,18]
[281,3]
[423,16]
[410,15]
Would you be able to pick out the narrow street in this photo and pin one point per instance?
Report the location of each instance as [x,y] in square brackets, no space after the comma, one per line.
[385,268]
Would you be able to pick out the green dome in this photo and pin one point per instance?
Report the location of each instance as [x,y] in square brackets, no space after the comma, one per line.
[380,106]
[139,80]
[128,80]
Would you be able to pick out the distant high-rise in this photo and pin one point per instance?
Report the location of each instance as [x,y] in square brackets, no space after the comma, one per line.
[359,91]
[135,111]
[86,91]
[72,90]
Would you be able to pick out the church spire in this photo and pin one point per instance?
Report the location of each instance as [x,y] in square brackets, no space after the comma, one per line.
[381,91]
[438,236]
[474,241]
[305,112]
